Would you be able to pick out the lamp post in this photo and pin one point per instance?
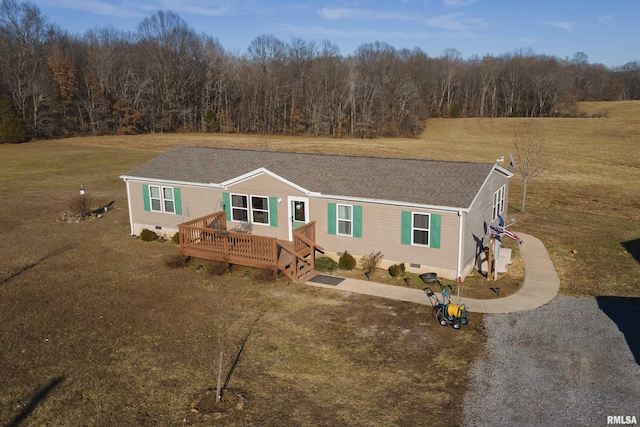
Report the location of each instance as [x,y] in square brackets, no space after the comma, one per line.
[83,202]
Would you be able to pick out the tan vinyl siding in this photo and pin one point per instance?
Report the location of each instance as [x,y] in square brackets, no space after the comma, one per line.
[196,202]
[267,186]
[381,231]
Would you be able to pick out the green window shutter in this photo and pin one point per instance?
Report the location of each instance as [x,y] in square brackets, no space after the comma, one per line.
[177,199]
[357,221]
[273,211]
[331,218]
[145,197]
[435,228]
[226,200]
[406,228]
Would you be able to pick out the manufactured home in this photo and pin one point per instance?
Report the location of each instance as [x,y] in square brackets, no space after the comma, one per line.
[277,209]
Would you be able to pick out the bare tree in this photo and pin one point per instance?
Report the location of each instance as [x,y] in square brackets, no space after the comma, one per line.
[530,158]
[24,37]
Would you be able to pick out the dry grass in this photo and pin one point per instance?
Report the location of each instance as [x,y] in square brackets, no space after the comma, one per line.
[97,329]
[110,335]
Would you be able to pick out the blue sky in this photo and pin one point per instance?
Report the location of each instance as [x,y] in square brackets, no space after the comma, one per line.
[606,30]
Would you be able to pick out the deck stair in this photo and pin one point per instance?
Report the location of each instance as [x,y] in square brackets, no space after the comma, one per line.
[208,238]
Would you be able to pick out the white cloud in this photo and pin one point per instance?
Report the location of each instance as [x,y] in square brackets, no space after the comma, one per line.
[364,15]
[455,22]
[458,3]
[128,8]
[606,19]
[563,25]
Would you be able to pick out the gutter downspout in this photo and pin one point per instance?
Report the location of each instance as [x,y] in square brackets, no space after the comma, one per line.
[459,244]
[129,202]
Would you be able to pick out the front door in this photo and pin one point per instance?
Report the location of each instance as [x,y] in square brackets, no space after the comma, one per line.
[298,213]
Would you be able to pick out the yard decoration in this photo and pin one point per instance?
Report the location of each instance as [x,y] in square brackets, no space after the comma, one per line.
[501,228]
[496,242]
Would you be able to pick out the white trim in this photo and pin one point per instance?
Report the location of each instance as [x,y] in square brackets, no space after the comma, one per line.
[251,208]
[130,210]
[460,231]
[260,171]
[164,200]
[290,214]
[152,199]
[428,230]
[503,170]
[351,221]
[500,203]
[391,203]
[167,181]
[248,208]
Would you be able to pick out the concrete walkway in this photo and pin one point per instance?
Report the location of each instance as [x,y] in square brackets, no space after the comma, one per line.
[541,284]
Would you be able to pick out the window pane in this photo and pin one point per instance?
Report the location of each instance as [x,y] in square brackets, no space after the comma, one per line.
[239,201]
[167,193]
[298,212]
[344,212]
[155,192]
[155,204]
[240,215]
[261,217]
[421,237]
[168,206]
[344,227]
[261,203]
[421,221]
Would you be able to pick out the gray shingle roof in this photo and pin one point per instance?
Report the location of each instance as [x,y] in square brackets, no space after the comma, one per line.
[427,182]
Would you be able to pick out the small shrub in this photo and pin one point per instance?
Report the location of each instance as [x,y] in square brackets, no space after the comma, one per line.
[147,235]
[397,270]
[80,204]
[370,263]
[325,264]
[176,238]
[219,267]
[175,261]
[347,261]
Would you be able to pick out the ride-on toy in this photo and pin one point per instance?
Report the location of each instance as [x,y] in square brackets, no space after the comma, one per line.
[446,311]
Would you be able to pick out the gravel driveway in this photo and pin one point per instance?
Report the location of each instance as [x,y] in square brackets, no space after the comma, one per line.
[566,363]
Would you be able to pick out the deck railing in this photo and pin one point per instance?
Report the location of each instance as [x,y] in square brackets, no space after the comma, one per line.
[208,238]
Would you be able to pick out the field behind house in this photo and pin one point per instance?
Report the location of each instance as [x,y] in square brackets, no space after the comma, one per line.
[97,330]
[585,207]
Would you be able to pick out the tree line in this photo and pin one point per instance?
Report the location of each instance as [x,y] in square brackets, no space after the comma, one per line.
[164,77]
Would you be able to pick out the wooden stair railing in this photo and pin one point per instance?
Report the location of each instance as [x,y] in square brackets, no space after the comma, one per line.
[208,238]
[297,259]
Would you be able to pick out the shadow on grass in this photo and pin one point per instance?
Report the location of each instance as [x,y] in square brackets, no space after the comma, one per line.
[633,247]
[35,400]
[625,312]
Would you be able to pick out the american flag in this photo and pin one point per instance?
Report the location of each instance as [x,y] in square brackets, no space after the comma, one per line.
[497,232]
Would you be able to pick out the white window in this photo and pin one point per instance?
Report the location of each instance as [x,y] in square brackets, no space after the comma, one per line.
[154,197]
[169,204]
[162,199]
[420,229]
[260,209]
[239,208]
[345,220]
[498,203]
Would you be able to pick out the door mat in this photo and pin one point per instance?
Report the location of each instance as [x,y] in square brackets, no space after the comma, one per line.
[327,280]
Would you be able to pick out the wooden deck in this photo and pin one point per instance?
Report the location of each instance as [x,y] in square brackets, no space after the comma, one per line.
[208,238]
